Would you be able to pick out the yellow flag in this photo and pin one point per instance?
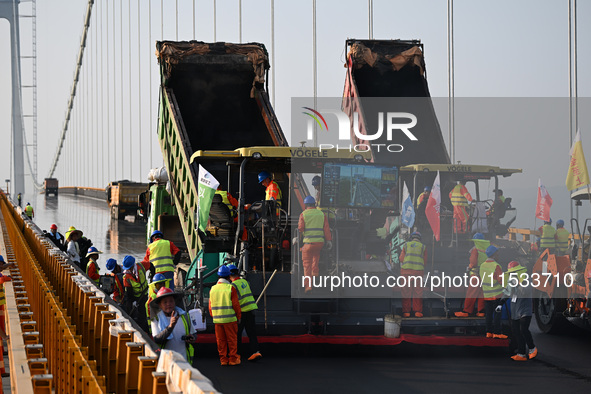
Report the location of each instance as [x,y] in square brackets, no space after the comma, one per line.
[577,170]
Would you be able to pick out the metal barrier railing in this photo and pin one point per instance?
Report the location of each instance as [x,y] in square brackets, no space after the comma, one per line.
[74,334]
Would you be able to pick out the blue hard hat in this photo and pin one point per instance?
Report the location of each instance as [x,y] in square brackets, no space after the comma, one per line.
[128,262]
[416,234]
[111,264]
[263,175]
[309,200]
[491,250]
[478,236]
[232,267]
[224,271]
[427,188]
[316,180]
[158,278]
[560,222]
[158,233]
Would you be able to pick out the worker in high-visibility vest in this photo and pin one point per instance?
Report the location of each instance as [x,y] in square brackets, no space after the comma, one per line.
[272,190]
[229,200]
[158,281]
[224,308]
[114,270]
[161,256]
[92,267]
[491,276]
[424,196]
[315,233]
[474,290]
[29,211]
[460,197]
[548,238]
[135,284]
[562,236]
[247,306]
[412,267]
[167,332]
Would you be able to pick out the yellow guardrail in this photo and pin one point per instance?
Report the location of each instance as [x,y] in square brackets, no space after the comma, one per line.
[73,337]
[529,235]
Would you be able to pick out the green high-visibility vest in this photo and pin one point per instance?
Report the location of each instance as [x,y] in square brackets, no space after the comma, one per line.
[29,211]
[548,240]
[247,302]
[160,256]
[314,222]
[562,236]
[152,293]
[457,198]
[140,285]
[90,262]
[220,297]
[487,269]
[189,347]
[480,245]
[414,252]
[226,200]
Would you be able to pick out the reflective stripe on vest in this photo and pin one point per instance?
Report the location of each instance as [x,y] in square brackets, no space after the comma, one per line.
[220,297]
[90,262]
[314,226]
[457,198]
[247,302]
[139,285]
[2,295]
[562,236]
[273,186]
[547,240]
[160,256]
[225,200]
[414,253]
[487,270]
[29,210]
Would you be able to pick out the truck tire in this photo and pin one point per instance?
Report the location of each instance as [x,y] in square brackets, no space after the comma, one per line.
[548,312]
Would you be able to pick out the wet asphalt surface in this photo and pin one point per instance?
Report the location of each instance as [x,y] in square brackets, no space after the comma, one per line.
[563,363]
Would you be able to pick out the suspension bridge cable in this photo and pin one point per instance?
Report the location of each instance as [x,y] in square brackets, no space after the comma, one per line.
[139,87]
[150,69]
[176,23]
[108,84]
[240,21]
[214,21]
[130,101]
[102,129]
[193,19]
[73,90]
[161,20]
[114,94]
[96,99]
[314,64]
[121,86]
[273,51]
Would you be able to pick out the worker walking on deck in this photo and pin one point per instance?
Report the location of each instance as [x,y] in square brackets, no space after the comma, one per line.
[412,266]
[92,268]
[491,278]
[114,270]
[29,211]
[19,198]
[562,236]
[520,292]
[247,306]
[315,232]
[163,255]
[224,308]
[548,239]
[474,291]
[460,197]
[136,291]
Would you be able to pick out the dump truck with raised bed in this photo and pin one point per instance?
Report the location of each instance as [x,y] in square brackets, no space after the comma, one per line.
[215,113]
[122,197]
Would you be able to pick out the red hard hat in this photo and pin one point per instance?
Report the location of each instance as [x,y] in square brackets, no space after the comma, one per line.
[164,292]
[513,264]
[53,227]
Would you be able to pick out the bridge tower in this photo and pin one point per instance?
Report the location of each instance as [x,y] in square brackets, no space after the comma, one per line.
[9,11]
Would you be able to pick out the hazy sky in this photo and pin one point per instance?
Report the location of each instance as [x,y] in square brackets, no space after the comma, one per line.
[503,49]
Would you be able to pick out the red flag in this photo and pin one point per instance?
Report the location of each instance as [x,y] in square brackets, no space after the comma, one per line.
[433,206]
[544,203]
